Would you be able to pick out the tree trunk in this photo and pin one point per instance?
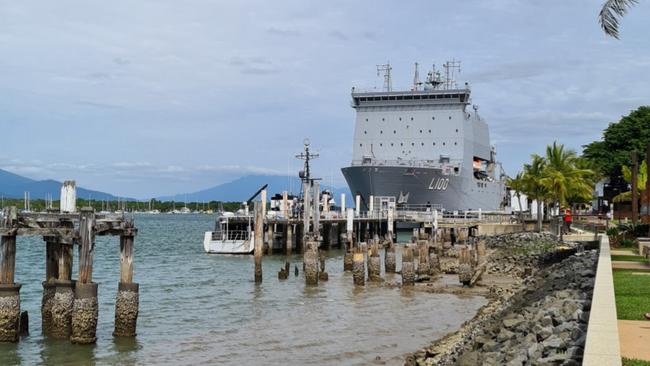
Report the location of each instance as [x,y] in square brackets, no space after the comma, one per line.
[539,216]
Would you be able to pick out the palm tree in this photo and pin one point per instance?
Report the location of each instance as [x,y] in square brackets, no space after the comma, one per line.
[518,184]
[562,176]
[533,175]
[610,14]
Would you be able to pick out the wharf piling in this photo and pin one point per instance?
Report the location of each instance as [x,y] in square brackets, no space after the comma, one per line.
[69,307]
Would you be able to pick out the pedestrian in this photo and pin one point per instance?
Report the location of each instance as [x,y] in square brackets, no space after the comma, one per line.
[568,219]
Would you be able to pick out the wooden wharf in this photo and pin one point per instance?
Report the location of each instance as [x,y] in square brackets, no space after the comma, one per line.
[69,307]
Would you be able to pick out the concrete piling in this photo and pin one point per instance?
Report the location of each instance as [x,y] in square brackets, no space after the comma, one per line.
[85,308]
[9,291]
[408,267]
[85,312]
[358,269]
[128,292]
[311,263]
[390,259]
[374,263]
[9,312]
[423,258]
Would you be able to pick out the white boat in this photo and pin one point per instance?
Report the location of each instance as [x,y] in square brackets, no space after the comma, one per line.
[229,236]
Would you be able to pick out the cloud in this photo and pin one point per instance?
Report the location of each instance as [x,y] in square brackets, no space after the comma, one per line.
[283,32]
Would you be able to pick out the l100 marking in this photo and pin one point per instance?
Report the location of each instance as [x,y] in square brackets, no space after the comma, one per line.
[439,184]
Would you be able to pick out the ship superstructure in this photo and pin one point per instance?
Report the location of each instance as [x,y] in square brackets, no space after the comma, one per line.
[424,146]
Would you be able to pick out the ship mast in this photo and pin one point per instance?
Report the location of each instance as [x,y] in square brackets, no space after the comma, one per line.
[388,84]
[305,174]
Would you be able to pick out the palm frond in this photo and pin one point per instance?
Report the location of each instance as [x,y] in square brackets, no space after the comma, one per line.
[610,14]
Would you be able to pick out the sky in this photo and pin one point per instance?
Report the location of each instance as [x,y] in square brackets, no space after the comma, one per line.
[146,98]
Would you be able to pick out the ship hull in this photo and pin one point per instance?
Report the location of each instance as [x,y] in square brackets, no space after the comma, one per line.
[424,186]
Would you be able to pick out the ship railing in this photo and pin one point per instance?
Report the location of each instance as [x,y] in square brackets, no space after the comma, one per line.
[407,163]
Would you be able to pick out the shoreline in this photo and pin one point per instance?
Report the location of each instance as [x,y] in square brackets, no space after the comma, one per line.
[551,286]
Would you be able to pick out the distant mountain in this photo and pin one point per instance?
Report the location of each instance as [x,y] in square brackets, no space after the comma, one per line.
[243,188]
[15,186]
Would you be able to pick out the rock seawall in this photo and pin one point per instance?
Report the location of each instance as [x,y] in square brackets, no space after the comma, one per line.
[540,319]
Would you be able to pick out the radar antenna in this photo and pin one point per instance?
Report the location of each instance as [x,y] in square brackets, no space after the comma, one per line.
[306,155]
[416,78]
[388,85]
[450,73]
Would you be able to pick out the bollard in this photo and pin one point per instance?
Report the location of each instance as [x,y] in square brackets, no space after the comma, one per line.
[390,259]
[359,269]
[408,267]
[126,309]
[85,311]
[9,312]
[374,264]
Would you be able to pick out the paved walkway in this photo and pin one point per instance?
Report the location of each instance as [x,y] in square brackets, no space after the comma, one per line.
[630,265]
[602,344]
[634,336]
[622,252]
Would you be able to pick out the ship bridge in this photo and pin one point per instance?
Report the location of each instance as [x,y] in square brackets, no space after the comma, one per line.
[410,97]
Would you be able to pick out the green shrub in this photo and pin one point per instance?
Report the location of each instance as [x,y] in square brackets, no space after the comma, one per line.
[612,231]
[628,243]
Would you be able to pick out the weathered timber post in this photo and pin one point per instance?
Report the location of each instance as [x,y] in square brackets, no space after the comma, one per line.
[269,238]
[408,267]
[322,274]
[465,269]
[358,268]
[374,263]
[316,208]
[128,298]
[9,291]
[63,300]
[635,197]
[289,240]
[52,250]
[85,308]
[285,205]
[348,257]
[258,241]
[423,258]
[434,261]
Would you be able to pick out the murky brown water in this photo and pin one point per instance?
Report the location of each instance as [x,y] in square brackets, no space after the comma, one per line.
[205,309]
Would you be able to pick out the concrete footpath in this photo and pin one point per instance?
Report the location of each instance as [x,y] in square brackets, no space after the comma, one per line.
[602,346]
[635,338]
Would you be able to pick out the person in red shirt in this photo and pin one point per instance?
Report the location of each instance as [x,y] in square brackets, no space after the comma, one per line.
[567,221]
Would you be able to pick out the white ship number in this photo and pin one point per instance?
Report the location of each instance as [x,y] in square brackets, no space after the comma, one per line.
[439,184]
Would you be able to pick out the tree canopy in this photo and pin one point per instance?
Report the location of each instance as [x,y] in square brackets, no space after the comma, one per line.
[631,133]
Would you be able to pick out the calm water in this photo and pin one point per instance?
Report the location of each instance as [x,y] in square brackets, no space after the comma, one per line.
[205,309]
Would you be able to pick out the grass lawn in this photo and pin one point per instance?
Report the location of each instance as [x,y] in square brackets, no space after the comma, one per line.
[629,258]
[634,362]
[632,294]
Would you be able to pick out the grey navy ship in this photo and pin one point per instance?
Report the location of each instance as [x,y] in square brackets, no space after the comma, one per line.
[427,146]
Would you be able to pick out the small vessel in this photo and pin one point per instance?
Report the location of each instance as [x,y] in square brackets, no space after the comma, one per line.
[233,234]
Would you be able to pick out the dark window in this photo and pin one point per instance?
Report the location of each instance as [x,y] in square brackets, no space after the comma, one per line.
[433,118]
[366,120]
[394,131]
[383,119]
[380,144]
[449,117]
[420,131]
[412,143]
[429,131]
[456,130]
[391,144]
[423,144]
[360,145]
[455,143]
[400,118]
[401,144]
[381,132]
[411,118]
[434,144]
[443,144]
[365,132]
